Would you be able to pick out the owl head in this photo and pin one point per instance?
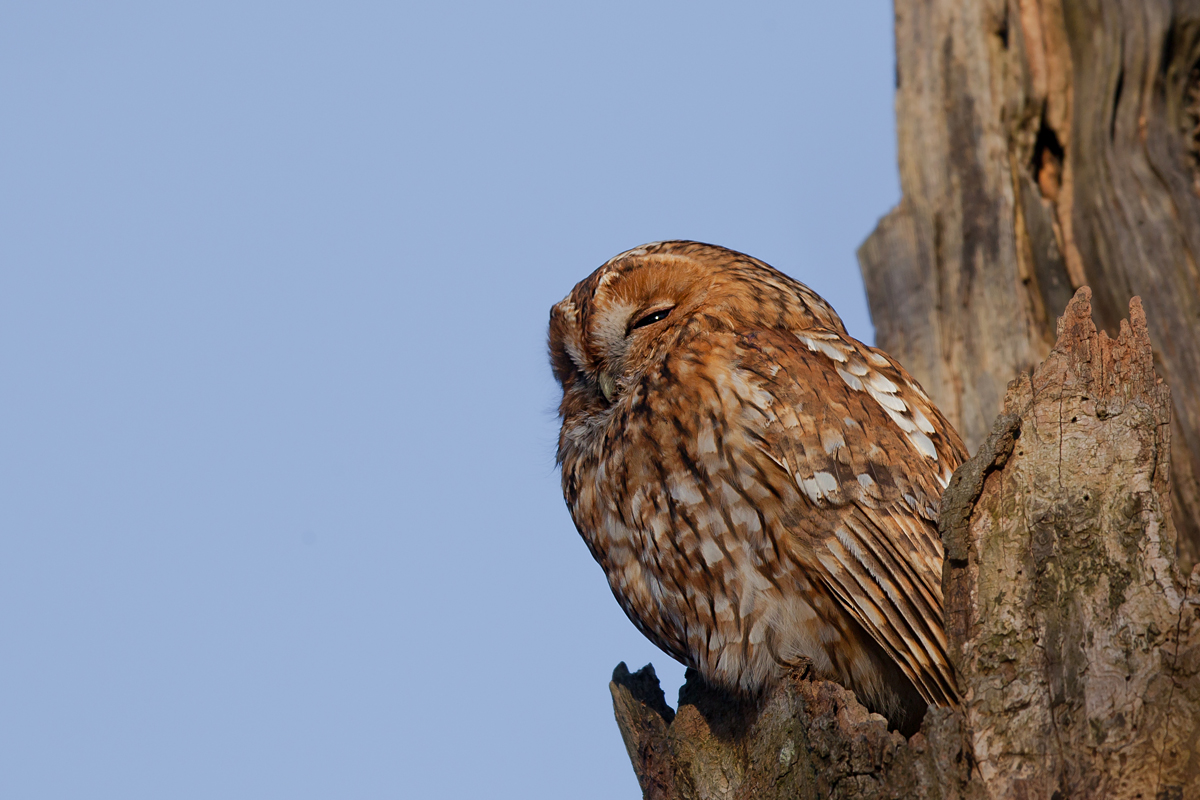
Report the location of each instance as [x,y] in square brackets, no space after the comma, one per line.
[620,320]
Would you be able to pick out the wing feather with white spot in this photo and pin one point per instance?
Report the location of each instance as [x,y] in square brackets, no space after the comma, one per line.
[871,456]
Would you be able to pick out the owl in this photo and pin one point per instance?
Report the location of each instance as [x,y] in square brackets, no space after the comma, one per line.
[760,488]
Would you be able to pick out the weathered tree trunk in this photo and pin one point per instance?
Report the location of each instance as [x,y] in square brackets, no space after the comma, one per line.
[1044,145]
[1077,645]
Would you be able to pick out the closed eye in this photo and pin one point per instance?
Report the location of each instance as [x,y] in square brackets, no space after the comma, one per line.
[651,318]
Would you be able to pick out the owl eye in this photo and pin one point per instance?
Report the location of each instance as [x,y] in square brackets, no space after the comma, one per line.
[651,318]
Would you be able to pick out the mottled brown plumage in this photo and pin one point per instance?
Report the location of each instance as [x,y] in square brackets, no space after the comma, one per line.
[759,487]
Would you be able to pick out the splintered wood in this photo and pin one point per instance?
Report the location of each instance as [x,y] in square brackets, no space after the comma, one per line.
[1074,640]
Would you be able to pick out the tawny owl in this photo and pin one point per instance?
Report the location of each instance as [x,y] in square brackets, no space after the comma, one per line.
[759,487]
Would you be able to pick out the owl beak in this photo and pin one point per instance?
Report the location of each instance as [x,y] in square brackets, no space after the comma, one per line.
[607,385]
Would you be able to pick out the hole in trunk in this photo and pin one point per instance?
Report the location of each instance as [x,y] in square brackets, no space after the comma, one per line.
[1047,162]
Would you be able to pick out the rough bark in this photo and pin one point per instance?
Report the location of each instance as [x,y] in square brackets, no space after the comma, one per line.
[1066,616]
[1076,644]
[811,738]
[1043,145]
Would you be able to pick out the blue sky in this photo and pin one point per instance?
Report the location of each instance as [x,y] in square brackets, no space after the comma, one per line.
[279,515]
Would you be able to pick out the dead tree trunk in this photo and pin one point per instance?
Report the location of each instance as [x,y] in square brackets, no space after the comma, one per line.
[1044,145]
[1077,645]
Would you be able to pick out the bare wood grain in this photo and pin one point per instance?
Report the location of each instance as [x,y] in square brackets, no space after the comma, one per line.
[1043,145]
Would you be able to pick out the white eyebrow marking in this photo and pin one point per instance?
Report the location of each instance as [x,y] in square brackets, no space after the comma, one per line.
[640,250]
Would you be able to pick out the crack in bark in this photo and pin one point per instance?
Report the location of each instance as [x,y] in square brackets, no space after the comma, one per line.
[1170,696]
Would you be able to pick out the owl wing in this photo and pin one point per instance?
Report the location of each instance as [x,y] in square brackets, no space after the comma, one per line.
[870,455]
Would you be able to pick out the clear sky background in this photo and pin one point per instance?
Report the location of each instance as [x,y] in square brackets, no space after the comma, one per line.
[279,515]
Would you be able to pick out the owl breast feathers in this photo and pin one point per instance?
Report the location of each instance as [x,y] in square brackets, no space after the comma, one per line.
[760,488]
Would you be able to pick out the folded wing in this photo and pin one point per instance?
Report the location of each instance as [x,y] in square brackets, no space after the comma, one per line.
[871,456]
